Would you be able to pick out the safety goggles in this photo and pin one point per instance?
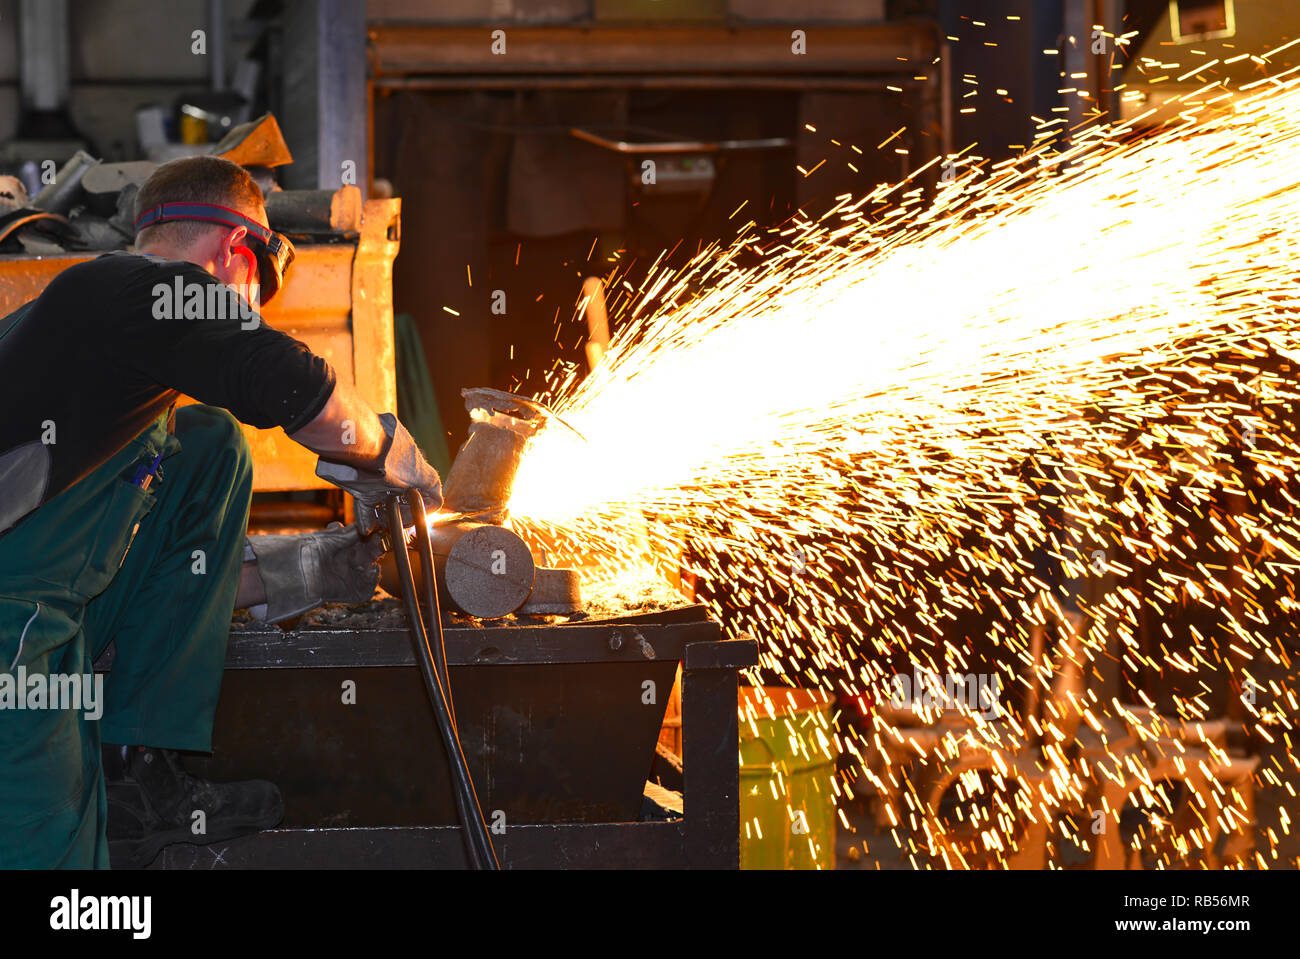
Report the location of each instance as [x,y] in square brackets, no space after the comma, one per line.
[271,251]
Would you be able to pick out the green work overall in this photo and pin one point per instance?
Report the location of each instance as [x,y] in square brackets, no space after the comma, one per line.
[154,571]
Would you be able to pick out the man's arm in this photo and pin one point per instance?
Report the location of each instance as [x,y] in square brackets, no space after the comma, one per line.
[368,456]
[371,456]
[345,430]
[285,575]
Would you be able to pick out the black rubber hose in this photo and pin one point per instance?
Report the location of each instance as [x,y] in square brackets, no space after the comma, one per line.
[478,843]
[428,579]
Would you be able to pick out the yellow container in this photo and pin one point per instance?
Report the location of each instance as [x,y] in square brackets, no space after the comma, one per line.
[787,763]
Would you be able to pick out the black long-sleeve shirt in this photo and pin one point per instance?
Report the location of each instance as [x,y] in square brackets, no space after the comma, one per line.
[109,345]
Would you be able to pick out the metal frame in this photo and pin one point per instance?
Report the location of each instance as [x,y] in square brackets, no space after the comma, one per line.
[708,836]
[858,57]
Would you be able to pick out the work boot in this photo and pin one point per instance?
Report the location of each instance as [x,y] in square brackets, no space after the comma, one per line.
[153,802]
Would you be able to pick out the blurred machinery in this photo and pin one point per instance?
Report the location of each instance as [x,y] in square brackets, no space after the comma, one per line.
[1064,787]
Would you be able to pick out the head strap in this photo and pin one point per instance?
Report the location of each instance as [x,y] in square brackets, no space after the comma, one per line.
[206,212]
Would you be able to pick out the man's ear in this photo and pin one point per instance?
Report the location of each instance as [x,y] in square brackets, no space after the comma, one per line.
[228,243]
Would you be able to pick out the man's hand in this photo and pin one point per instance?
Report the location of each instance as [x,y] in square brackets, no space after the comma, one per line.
[401,466]
[301,572]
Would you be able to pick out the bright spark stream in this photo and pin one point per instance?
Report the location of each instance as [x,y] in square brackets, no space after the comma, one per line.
[1067,377]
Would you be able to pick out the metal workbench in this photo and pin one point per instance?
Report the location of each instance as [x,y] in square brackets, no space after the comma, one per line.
[554,721]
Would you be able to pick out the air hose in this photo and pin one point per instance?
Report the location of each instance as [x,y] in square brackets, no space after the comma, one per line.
[432,658]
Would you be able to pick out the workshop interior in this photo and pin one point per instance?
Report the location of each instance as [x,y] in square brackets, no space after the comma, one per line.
[864,430]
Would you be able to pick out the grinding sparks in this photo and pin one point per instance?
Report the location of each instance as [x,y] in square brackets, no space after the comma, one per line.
[1038,423]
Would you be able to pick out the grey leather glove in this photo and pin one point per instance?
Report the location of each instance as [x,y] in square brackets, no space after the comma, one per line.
[401,467]
[300,572]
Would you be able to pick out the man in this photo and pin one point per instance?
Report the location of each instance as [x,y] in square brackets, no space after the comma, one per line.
[122,524]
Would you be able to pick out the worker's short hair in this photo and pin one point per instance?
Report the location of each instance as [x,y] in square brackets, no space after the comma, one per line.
[200,179]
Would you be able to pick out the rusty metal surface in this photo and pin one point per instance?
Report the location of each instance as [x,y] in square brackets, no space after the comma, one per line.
[314,306]
[373,353]
[555,591]
[635,845]
[557,729]
[488,572]
[338,300]
[611,641]
[459,49]
[555,721]
[545,742]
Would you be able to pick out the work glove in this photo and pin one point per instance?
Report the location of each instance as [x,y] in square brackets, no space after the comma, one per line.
[303,571]
[400,467]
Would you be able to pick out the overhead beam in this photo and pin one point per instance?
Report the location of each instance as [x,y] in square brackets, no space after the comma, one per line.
[439,50]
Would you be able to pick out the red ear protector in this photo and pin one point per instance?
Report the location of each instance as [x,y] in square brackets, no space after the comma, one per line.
[254,274]
[271,252]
